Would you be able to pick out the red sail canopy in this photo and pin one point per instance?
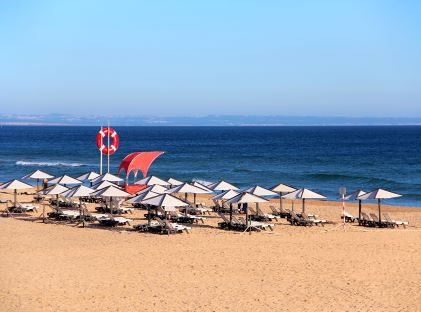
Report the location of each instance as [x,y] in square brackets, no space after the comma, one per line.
[139,161]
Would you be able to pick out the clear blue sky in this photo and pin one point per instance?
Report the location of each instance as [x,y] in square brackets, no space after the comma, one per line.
[169,58]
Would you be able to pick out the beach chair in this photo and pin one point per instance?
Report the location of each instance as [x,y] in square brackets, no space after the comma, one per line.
[21,208]
[183,218]
[366,220]
[267,216]
[382,223]
[395,222]
[234,225]
[298,220]
[168,227]
[283,213]
[313,219]
[256,225]
[114,221]
[348,217]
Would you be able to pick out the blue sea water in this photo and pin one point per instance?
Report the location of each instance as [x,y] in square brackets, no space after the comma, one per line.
[319,158]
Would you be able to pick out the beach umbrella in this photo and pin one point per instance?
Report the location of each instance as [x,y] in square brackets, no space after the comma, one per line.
[166,201]
[174,182]
[225,196]
[104,184]
[65,180]
[15,185]
[260,191]
[303,194]
[153,180]
[282,189]
[187,188]
[78,192]
[355,196]
[379,194]
[158,189]
[89,176]
[56,189]
[107,177]
[246,198]
[141,197]
[111,192]
[38,175]
[222,186]
[202,186]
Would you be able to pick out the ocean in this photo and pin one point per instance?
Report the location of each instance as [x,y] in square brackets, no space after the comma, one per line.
[318,158]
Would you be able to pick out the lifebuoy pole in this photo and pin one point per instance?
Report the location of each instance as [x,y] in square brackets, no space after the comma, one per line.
[108,150]
[100,162]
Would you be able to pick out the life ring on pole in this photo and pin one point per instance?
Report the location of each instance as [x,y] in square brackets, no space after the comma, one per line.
[103,134]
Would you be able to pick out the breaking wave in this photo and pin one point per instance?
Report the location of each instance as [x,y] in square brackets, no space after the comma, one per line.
[47,164]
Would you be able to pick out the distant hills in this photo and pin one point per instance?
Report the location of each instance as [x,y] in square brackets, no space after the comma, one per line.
[210,120]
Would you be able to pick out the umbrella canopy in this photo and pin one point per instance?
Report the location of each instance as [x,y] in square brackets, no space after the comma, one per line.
[283,188]
[104,184]
[174,182]
[111,191]
[225,195]
[65,180]
[202,186]
[15,185]
[246,198]
[355,195]
[38,175]
[54,190]
[158,189]
[78,191]
[187,188]
[89,176]
[379,194]
[166,201]
[153,180]
[143,196]
[222,186]
[260,191]
[303,194]
[107,177]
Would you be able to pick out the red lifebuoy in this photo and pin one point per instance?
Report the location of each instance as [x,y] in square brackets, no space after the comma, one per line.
[103,133]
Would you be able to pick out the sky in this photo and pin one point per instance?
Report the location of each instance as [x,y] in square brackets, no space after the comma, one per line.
[195,58]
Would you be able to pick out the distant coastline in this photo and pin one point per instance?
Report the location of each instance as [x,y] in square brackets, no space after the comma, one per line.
[209,120]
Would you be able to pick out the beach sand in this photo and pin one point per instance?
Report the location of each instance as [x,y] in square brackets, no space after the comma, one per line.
[61,267]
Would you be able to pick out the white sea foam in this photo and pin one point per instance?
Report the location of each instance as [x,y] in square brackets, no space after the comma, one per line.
[47,164]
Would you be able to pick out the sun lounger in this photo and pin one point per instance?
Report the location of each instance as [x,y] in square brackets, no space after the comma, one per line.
[298,220]
[313,219]
[382,223]
[21,208]
[183,218]
[348,217]
[396,222]
[234,225]
[114,221]
[256,224]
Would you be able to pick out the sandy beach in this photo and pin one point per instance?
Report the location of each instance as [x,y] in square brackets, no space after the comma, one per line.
[63,267]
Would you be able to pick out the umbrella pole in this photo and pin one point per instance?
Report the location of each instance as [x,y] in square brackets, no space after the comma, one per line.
[15,195]
[187,207]
[82,215]
[194,200]
[37,186]
[111,207]
[230,214]
[380,216]
[57,205]
[304,205]
[359,211]
[247,216]
[149,215]
[280,201]
[257,209]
